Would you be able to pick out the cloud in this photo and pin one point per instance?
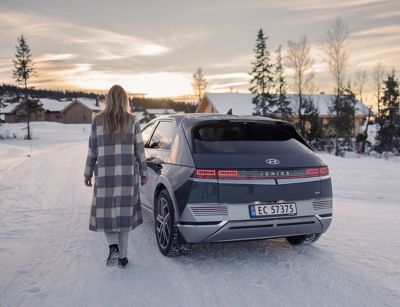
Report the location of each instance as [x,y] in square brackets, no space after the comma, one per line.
[47,57]
[379,31]
[327,5]
[102,44]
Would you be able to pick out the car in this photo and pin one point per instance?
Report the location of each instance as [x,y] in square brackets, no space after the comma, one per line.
[220,177]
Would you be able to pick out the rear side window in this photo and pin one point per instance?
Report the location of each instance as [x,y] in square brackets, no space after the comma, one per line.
[146,132]
[162,136]
[246,138]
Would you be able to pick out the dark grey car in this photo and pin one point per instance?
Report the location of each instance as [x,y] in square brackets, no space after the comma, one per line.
[216,177]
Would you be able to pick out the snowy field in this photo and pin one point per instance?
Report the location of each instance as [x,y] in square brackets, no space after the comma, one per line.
[48,257]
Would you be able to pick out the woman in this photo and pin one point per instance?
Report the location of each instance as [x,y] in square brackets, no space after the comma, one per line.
[115,153]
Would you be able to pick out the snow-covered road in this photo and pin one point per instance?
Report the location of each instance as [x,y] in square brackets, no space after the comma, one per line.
[48,257]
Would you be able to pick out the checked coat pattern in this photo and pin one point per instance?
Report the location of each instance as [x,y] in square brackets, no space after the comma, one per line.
[116,165]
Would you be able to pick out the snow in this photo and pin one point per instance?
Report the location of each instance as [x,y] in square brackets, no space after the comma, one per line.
[241,103]
[49,257]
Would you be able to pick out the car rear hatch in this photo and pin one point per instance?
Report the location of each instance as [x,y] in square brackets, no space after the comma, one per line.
[256,161]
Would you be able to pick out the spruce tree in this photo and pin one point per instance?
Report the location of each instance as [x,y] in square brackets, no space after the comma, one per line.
[388,136]
[282,104]
[23,71]
[315,132]
[341,119]
[262,81]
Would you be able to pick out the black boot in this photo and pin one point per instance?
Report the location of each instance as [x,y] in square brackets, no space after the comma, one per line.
[122,262]
[113,255]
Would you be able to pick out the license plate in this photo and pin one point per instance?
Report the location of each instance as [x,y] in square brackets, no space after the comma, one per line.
[272,210]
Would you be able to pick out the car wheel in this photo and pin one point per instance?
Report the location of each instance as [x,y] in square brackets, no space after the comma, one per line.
[303,239]
[169,240]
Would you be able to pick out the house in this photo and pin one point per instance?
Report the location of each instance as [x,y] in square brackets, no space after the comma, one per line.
[80,110]
[241,104]
[149,114]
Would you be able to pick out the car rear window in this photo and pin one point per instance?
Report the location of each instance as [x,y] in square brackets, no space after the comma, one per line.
[246,138]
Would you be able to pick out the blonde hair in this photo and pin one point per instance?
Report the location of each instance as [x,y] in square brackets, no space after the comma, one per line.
[116,114]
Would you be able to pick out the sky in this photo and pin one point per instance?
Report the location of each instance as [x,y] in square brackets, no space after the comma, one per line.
[154,46]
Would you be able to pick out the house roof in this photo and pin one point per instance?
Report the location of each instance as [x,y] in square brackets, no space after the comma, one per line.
[53,105]
[241,103]
[91,103]
[9,108]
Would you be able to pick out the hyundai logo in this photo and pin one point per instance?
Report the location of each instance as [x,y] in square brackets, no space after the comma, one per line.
[272,161]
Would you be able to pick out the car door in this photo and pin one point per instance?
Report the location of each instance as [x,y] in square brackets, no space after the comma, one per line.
[158,150]
[147,132]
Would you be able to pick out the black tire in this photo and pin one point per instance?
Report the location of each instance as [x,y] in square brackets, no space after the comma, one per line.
[303,239]
[170,241]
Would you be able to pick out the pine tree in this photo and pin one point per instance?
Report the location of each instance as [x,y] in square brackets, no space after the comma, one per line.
[23,71]
[282,105]
[341,119]
[315,134]
[388,136]
[262,81]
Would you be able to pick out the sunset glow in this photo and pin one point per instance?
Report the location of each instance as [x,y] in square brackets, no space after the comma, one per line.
[156,52]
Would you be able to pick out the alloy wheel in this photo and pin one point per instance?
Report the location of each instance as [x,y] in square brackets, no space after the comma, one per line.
[163,222]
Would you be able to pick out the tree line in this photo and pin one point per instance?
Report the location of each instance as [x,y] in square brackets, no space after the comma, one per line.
[269,87]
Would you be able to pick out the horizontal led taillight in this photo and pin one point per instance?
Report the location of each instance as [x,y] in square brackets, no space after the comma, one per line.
[206,173]
[212,173]
[321,171]
[261,174]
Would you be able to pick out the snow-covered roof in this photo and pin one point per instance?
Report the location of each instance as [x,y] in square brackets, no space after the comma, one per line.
[161,111]
[91,103]
[53,105]
[9,108]
[241,103]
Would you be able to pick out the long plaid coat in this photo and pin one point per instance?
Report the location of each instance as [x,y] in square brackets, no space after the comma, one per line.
[116,199]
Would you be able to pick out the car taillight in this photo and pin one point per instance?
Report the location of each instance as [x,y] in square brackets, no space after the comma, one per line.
[261,174]
[323,171]
[206,173]
[312,172]
[227,173]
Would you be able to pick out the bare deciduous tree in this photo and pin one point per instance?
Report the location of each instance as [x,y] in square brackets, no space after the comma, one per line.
[334,45]
[299,60]
[199,83]
[360,83]
[378,72]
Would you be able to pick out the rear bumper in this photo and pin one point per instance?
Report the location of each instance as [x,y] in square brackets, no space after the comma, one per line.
[253,229]
[231,222]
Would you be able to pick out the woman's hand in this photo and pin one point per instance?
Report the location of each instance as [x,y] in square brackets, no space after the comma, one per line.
[143,180]
[88,182]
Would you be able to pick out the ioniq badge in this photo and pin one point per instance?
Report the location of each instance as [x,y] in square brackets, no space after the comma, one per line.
[272,161]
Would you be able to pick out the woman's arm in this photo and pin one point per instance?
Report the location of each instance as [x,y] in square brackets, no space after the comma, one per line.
[139,151]
[92,154]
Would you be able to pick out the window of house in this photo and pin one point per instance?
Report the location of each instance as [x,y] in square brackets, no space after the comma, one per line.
[162,136]
[84,115]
